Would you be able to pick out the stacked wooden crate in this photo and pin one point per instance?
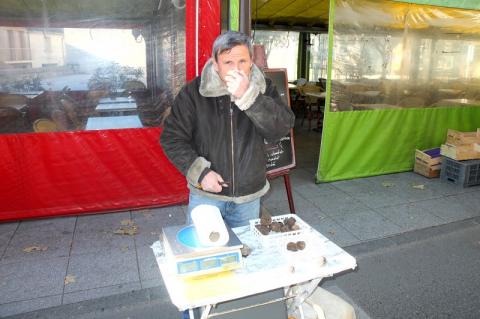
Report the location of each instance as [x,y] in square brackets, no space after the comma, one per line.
[462,146]
[461,161]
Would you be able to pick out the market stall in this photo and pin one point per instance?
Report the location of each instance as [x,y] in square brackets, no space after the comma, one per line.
[412,55]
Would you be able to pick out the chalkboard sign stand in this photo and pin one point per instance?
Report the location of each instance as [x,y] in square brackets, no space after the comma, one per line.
[288,187]
[281,156]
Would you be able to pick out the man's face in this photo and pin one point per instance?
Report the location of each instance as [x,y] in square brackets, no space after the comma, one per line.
[237,59]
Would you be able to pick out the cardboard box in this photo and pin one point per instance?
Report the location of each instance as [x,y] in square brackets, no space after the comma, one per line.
[428,162]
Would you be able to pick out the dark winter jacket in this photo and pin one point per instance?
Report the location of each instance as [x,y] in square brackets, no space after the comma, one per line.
[207,130]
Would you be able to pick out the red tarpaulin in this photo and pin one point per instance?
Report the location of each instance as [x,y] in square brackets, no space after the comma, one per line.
[65,173]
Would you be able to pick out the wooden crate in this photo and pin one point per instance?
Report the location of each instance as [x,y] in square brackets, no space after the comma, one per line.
[462,138]
[460,152]
[428,162]
[426,170]
[430,156]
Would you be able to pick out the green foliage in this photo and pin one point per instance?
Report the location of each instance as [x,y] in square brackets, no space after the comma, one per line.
[113,77]
[24,85]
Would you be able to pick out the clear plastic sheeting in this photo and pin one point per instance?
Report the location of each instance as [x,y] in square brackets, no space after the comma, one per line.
[278,45]
[84,86]
[391,55]
[89,65]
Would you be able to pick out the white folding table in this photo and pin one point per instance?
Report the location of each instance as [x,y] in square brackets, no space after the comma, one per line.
[264,270]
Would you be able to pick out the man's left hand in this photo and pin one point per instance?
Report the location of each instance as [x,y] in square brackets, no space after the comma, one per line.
[237,83]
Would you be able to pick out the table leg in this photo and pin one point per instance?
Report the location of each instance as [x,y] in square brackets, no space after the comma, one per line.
[301,293]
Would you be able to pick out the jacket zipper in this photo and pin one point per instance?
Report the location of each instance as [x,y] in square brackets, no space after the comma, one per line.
[233,158]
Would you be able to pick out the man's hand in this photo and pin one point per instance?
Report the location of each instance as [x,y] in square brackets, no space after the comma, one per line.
[212,182]
[237,83]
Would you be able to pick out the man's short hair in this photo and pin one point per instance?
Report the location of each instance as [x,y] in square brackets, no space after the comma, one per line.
[226,41]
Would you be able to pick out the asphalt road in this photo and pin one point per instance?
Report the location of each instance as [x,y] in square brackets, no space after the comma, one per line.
[429,273]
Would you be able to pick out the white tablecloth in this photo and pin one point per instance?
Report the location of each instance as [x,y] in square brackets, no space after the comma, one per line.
[264,270]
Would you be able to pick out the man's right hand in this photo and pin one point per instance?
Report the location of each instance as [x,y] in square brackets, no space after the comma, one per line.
[212,182]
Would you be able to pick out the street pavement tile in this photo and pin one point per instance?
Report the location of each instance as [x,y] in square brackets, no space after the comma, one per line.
[306,210]
[47,237]
[445,188]
[101,221]
[95,293]
[302,176]
[333,205]
[410,216]
[18,307]
[311,190]
[156,283]
[367,224]
[6,232]
[153,220]
[96,233]
[113,267]
[63,225]
[147,239]
[277,207]
[335,232]
[411,191]
[382,198]
[353,186]
[36,246]
[147,263]
[376,191]
[451,208]
[471,200]
[30,280]
[277,192]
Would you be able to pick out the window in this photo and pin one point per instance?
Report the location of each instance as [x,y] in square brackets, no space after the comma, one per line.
[119,71]
[279,45]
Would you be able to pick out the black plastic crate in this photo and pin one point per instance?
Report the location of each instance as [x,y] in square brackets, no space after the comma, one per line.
[462,173]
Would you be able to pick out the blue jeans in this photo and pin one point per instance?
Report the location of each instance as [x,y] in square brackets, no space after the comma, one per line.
[234,215]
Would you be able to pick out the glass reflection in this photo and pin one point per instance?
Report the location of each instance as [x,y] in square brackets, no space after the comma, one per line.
[117,70]
[390,55]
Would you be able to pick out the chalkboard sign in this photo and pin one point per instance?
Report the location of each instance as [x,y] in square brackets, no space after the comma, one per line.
[281,155]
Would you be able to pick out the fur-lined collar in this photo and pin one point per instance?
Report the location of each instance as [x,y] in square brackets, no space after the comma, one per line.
[212,86]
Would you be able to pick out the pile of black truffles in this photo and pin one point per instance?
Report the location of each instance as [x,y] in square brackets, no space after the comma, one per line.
[289,224]
[267,225]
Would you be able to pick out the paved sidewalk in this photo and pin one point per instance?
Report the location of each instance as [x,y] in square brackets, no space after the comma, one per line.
[61,261]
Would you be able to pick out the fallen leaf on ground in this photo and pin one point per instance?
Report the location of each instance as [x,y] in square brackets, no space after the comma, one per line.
[127,230]
[69,279]
[388,184]
[124,248]
[35,248]
[127,222]
[421,186]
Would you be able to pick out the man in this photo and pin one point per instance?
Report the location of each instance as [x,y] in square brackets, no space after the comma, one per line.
[216,132]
